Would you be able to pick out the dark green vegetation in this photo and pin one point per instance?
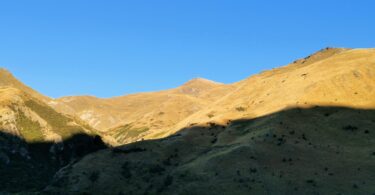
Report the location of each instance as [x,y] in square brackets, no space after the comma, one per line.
[59,122]
[29,130]
[321,150]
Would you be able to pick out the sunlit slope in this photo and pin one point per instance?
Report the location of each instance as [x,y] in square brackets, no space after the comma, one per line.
[26,117]
[343,78]
[153,111]
[8,80]
[332,76]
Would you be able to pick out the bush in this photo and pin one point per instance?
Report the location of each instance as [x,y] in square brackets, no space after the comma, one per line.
[94,176]
[240,109]
[156,169]
[350,128]
[128,150]
[168,181]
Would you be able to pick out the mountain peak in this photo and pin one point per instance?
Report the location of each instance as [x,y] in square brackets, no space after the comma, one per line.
[3,70]
[200,81]
[197,85]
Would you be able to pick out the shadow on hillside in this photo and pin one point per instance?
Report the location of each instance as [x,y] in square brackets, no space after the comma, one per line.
[30,166]
[318,150]
[345,119]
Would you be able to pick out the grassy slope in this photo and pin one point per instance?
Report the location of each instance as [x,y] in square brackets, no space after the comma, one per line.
[57,121]
[126,132]
[29,130]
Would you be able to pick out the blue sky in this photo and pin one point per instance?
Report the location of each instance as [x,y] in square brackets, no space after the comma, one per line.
[111,48]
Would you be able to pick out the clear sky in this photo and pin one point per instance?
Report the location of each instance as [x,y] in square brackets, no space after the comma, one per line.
[111,48]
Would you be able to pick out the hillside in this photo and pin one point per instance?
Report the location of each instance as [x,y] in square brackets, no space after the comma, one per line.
[306,128]
[321,150]
[34,121]
[330,77]
[150,112]
[309,81]
[36,141]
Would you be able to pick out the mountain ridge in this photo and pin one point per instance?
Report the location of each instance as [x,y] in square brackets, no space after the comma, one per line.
[109,113]
[164,112]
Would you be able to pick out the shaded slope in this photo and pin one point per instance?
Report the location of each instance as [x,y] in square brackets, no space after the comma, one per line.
[28,167]
[319,150]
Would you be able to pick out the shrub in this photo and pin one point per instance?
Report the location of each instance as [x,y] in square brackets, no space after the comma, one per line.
[168,181]
[128,150]
[156,169]
[240,109]
[350,128]
[312,182]
[94,176]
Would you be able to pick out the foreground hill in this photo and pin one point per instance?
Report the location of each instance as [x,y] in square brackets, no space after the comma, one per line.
[306,128]
[320,150]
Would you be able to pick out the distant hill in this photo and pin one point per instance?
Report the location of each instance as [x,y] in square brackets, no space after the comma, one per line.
[149,112]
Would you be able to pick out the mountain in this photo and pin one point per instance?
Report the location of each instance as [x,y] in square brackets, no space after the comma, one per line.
[155,115]
[305,128]
[129,118]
